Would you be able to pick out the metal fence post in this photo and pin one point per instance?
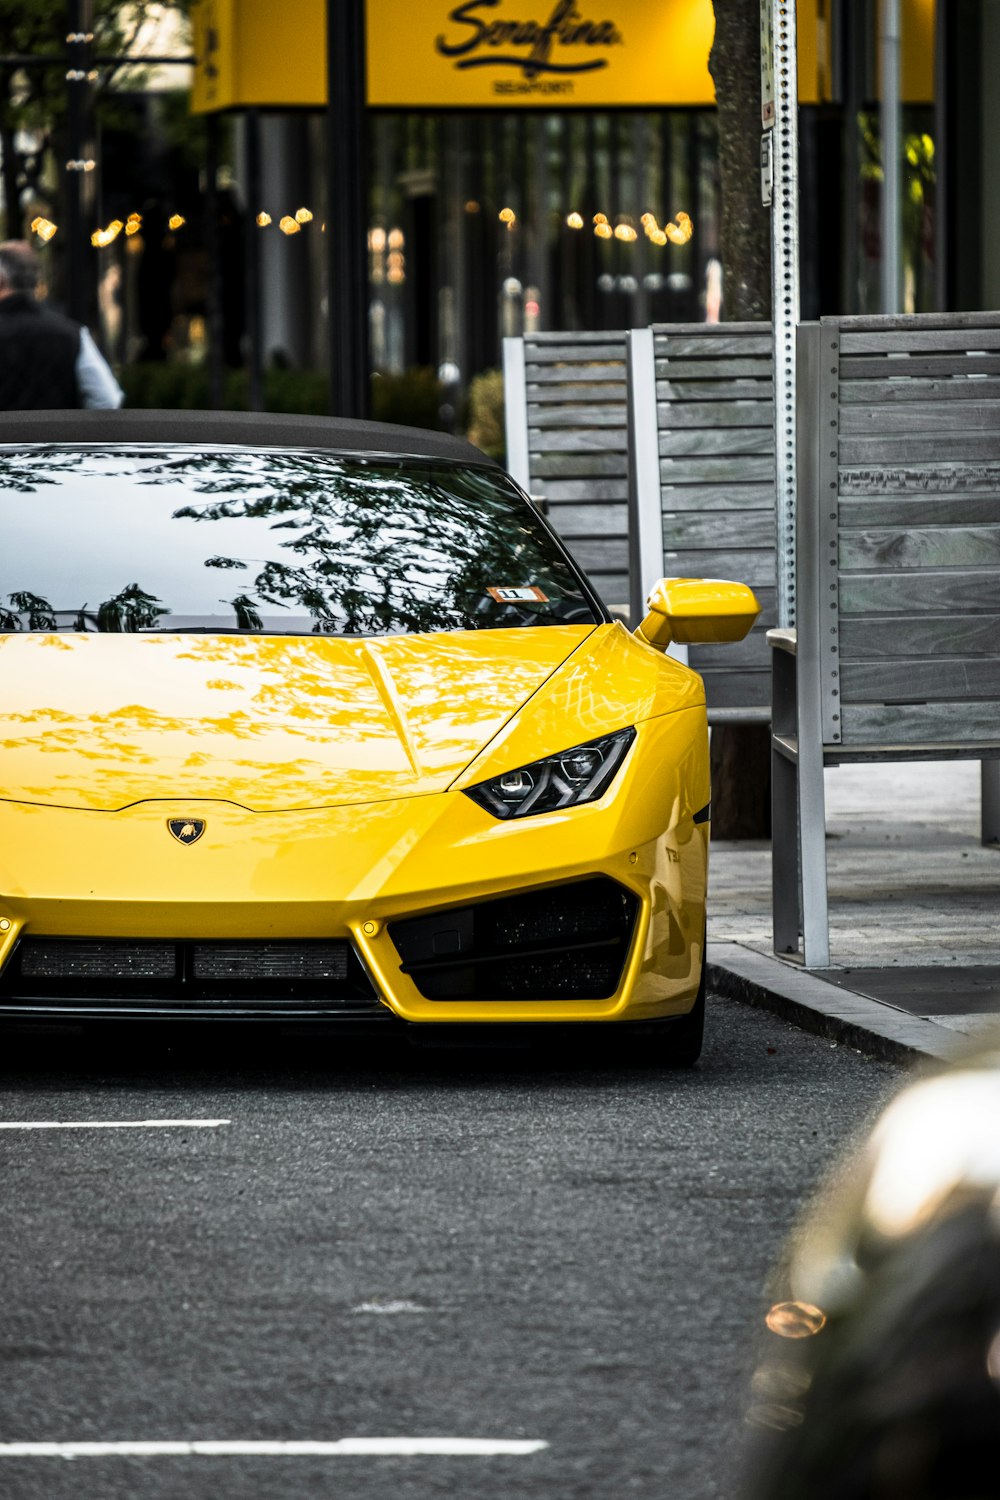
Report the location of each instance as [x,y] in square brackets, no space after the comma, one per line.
[785,292]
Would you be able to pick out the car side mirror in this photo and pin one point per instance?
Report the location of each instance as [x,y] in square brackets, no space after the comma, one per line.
[697,610]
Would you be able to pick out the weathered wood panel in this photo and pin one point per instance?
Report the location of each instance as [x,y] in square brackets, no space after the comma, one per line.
[939,724]
[730,495]
[971,415]
[903,367]
[951,635]
[914,337]
[606,555]
[931,479]
[576,440]
[717,440]
[907,388]
[715,470]
[940,447]
[919,510]
[541,419]
[567,353]
[714,528]
[577,394]
[911,680]
[580,491]
[698,414]
[589,521]
[579,465]
[712,369]
[577,376]
[682,390]
[750,653]
[972,591]
[711,345]
[927,547]
[747,688]
[752,566]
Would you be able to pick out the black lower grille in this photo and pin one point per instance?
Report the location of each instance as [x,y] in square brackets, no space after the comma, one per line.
[188,975]
[566,943]
[65,960]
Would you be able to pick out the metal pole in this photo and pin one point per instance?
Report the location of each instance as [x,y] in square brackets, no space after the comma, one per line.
[890,109]
[252,126]
[79,165]
[347,209]
[212,247]
[785,289]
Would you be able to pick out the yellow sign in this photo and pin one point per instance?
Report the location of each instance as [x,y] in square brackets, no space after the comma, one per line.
[257,52]
[548,54]
[544,53]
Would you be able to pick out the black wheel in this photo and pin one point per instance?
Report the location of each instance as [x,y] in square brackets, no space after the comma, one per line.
[674,1043]
[681,1040]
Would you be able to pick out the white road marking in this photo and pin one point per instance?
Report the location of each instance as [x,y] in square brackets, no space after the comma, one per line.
[386,1308]
[352,1447]
[112,1124]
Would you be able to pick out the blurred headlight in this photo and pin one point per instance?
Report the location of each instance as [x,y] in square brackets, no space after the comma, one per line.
[565,780]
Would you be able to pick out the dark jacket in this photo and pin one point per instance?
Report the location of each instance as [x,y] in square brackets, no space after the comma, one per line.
[38,352]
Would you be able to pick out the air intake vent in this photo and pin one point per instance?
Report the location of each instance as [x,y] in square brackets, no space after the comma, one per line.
[271,961]
[566,943]
[68,960]
[184,976]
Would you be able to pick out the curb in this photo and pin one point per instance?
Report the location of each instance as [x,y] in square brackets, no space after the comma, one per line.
[815,1005]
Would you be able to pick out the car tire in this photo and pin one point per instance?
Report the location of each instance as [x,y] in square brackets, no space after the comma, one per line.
[682,1040]
[674,1043]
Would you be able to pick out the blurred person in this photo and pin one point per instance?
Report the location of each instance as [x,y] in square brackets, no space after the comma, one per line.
[879,1378]
[47,362]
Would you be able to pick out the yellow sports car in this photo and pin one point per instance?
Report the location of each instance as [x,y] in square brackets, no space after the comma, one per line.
[301,718]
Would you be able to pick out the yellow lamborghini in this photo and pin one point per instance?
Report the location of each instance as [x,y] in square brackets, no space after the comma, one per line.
[309,719]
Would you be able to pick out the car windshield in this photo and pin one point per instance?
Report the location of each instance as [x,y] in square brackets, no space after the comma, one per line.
[178,538]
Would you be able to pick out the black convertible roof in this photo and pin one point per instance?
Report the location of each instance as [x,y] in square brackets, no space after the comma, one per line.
[241,429]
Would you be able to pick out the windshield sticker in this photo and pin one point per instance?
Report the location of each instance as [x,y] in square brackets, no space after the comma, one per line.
[529,595]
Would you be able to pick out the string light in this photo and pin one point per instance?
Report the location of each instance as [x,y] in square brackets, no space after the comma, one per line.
[176,221]
[263,219]
[600,218]
[507,216]
[575,221]
[626,233]
[288,225]
[680,232]
[603,230]
[102,237]
[303,216]
[44,228]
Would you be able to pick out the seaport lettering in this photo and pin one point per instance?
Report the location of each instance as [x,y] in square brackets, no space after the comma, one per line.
[566,27]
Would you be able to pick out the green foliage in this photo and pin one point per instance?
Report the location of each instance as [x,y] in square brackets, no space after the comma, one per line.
[34,99]
[485,420]
[414,398]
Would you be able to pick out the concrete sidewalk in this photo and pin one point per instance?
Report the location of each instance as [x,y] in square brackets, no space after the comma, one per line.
[914,915]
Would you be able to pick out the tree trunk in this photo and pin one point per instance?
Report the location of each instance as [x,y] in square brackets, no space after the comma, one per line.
[745,231]
[740,753]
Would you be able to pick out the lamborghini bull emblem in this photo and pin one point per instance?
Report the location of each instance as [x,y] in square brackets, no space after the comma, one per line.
[186,830]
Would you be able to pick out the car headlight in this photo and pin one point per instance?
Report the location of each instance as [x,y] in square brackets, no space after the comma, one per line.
[565,780]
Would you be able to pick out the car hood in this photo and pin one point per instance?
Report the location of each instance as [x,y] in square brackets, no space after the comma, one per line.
[105,721]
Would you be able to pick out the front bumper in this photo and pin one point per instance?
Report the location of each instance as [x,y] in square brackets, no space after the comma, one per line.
[350,873]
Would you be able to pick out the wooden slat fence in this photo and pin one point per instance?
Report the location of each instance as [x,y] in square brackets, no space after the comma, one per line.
[898,575]
[702,484]
[567,444]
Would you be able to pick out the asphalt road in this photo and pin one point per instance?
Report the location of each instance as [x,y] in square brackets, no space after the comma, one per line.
[434,1245]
